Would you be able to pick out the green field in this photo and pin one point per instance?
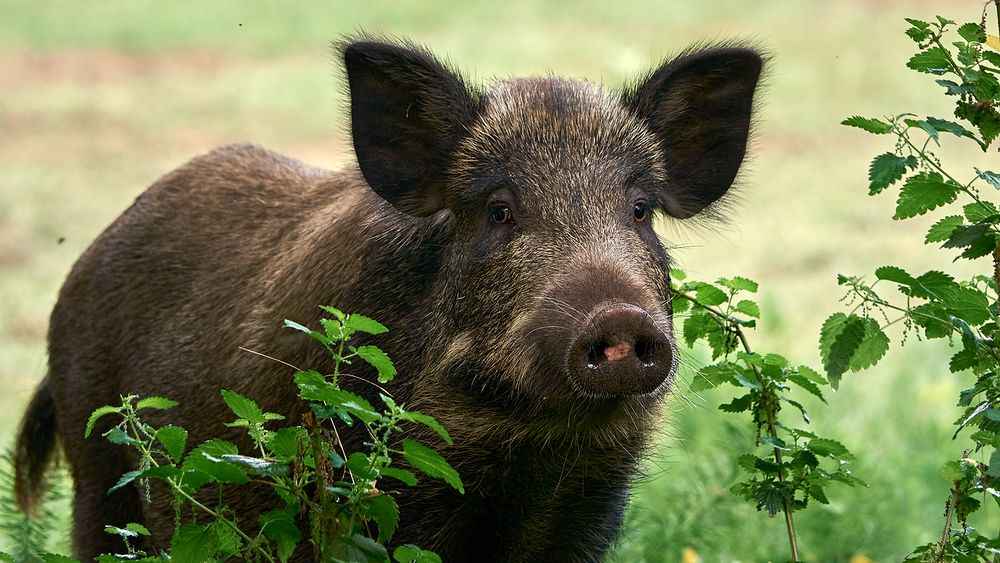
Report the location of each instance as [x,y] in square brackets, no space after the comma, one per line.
[97,100]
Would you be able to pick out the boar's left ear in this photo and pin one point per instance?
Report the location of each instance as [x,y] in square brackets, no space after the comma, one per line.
[408,113]
[698,106]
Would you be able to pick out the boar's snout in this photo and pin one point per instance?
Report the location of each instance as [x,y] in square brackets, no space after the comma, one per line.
[620,352]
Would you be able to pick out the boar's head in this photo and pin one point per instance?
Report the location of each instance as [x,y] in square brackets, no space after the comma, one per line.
[551,299]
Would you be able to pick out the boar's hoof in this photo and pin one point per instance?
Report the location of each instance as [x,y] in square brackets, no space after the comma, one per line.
[620,352]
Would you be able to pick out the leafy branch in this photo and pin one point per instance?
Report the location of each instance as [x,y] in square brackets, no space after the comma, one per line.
[792,473]
[306,466]
[934,304]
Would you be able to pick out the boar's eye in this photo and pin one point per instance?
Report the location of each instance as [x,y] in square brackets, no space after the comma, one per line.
[641,211]
[499,213]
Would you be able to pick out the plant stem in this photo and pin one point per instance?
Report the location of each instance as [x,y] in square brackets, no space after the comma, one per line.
[323,479]
[771,425]
[949,509]
[147,455]
[773,433]
[996,262]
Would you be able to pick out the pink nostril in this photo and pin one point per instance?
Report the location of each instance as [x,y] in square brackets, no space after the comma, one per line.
[618,351]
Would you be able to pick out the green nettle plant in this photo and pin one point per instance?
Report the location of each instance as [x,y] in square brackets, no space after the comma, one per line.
[787,466]
[306,466]
[935,304]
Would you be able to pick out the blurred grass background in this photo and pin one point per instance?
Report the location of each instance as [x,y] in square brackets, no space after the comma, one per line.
[98,100]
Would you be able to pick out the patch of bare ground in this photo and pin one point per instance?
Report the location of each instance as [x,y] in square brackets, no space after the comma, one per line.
[94,66]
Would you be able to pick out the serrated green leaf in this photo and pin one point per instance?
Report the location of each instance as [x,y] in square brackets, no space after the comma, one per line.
[335,331]
[137,529]
[714,375]
[952,88]
[816,491]
[962,360]
[885,170]
[125,479]
[773,442]
[379,360]
[994,468]
[825,447]
[945,126]
[362,323]
[207,458]
[256,465]
[941,231]
[229,542]
[985,118]
[984,85]
[738,283]
[121,532]
[337,313]
[709,295]
[159,403]
[407,477]
[96,415]
[314,387]
[284,442]
[872,348]
[922,193]
[382,508]
[933,318]
[279,527]
[965,235]
[934,284]
[748,308]
[968,304]
[358,547]
[934,60]
[918,35]
[927,128]
[812,375]
[316,335]
[982,246]
[428,421]
[243,407]
[895,274]
[770,497]
[870,125]
[840,337]
[979,210]
[696,326]
[412,554]
[193,543]
[173,438]
[679,305]
[119,437]
[956,470]
[806,384]
[430,462]
[738,404]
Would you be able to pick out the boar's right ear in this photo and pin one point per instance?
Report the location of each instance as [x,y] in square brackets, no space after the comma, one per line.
[408,113]
[699,107]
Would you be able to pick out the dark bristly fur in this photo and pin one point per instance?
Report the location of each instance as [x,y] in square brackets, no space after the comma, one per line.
[501,329]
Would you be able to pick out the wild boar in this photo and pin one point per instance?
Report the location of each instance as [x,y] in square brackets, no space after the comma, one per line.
[504,234]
